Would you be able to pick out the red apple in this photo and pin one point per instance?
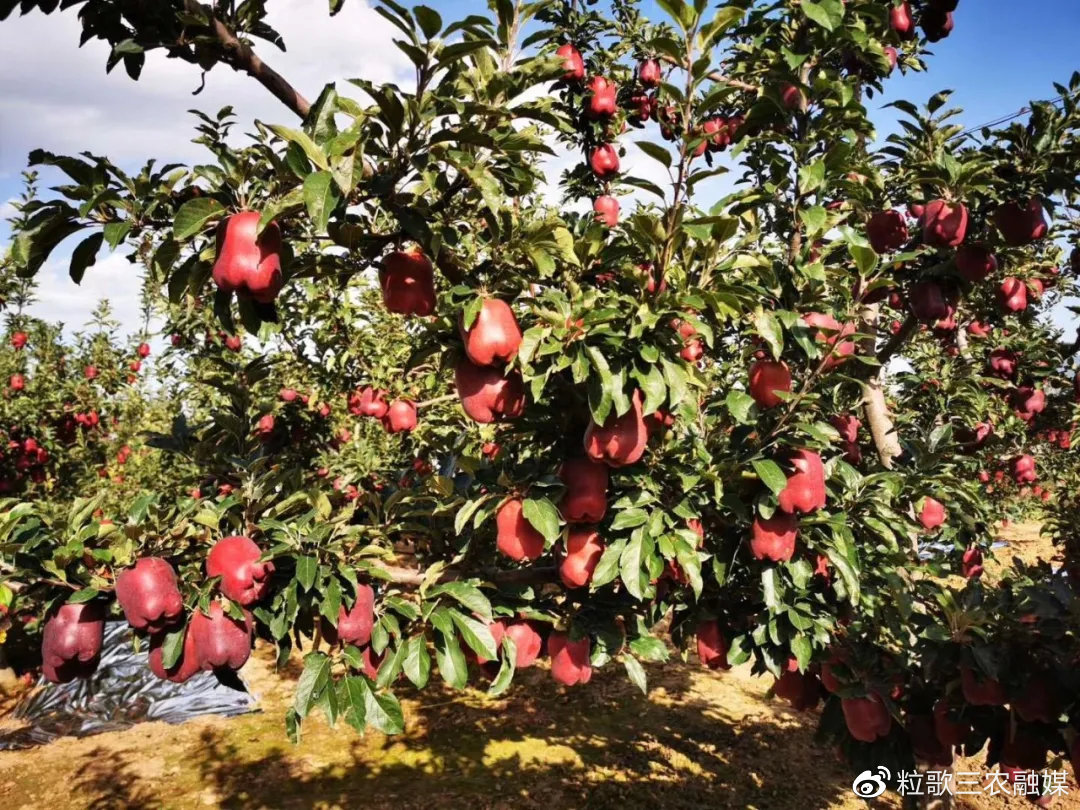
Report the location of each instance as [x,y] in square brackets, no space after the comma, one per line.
[244,579]
[185,668]
[601,101]
[767,377]
[712,646]
[866,718]
[370,402]
[148,595]
[71,642]
[355,624]
[570,663]
[902,21]
[607,210]
[847,425]
[931,513]
[1003,363]
[801,689]
[620,440]
[408,283]
[515,536]
[494,336]
[805,490]
[573,64]
[220,641]
[486,394]
[18,340]
[930,301]
[887,231]
[585,499]
[400,416]
[792,97]
[604,161]
[975,263]
[936,23]
[944,224]
[649,73]
[583,551]
[1021,223]
[247,261]
[527,641]
[1012,295]
[774,539]
[980,692]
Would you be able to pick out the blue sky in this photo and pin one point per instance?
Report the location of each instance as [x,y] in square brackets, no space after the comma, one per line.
[1001,55]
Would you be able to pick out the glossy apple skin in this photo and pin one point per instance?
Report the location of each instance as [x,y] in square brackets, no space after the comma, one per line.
[774,539]
[149,595]
[220,641]
[71,642]
[620,440]
[583,551]
[515,536]
[400,416]
[573,64]
[487,394]
[494,336]
[712,646]
[244,579]
[407,281]
[248,261]
[354,625]
[805,490]
[569,659]
[187,667]
[766,378]
[944,224]
[585,499]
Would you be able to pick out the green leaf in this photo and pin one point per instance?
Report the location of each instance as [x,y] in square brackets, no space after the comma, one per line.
[636,673]
[655,151]
[768,327]
[429,19]
[313,681]
[193,216]
[417,661]
[303,140]
[383,710]
[506,671]
[352,696]
[172,648]
[829,14]
[451,659]
[321,198]
[84,256]
[84,595]
[115,232]
[476,634]
[771,474]
[542,516]
[467,594]
[739,404]
[306,568]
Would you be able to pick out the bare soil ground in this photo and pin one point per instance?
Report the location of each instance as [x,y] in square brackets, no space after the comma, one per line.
[698,740]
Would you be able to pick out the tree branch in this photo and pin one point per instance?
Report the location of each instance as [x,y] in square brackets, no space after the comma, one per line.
[715,75]
[240,56]
[907,329]
[516,576]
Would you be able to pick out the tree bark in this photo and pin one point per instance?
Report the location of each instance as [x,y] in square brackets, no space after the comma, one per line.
[240,56]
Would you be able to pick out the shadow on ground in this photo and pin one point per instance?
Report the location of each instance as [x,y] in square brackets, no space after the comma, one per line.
[543,746]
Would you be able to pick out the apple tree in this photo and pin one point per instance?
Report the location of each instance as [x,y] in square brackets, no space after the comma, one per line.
[767,397]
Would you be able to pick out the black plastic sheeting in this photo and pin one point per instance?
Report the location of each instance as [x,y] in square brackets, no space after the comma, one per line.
[122,692]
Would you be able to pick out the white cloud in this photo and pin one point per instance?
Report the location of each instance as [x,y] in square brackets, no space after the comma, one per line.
[63,101]
[113,277]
